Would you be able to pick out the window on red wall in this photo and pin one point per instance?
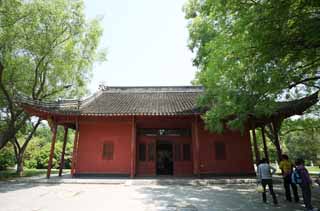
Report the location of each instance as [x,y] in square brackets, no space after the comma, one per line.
[142,152]
[107,151]
[220,151]
[186,152]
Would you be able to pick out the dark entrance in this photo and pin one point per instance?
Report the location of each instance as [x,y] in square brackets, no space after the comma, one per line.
[164,158]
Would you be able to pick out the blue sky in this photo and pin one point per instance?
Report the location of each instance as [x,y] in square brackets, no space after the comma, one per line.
[146,41]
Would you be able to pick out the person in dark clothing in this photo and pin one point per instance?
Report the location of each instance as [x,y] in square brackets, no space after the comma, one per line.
[305,185]
[286,167]
[265,172]
[318,180]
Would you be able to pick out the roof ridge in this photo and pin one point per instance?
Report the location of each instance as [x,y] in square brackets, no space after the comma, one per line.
[148,89]
[89,99]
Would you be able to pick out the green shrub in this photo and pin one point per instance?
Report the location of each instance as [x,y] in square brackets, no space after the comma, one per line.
[38,156]
[7,157]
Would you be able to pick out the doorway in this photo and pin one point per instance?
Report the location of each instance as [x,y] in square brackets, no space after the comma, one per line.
[164,158]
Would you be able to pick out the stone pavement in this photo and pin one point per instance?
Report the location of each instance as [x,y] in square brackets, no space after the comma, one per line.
[163,180]
[140,196]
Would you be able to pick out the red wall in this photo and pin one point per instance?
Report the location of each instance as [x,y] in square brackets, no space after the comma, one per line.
[238,153]
[92,136]
[93,133]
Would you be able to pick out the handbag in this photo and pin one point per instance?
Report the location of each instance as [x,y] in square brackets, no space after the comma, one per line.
[259,189]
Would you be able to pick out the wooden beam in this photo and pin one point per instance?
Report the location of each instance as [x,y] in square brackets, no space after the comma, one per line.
[195,144]
[75,149]
[265,148]
[53,142]
[133,149]
[63,150]
[255,146]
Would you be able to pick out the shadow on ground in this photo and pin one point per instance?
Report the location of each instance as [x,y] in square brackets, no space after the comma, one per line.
[215,198]
[141,194]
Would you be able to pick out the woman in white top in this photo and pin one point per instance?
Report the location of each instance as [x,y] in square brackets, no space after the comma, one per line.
[265,172]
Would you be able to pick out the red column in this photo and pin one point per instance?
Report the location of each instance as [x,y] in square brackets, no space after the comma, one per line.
[133,149]
[195,144]
[53,142]
[63,150]
[75,148]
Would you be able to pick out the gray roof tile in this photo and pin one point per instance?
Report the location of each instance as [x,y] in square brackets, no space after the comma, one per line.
[170,100]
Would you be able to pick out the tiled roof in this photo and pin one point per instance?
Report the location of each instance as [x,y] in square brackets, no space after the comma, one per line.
[170,100]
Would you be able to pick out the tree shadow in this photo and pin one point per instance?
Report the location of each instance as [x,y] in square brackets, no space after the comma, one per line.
[16,186]
[213,198]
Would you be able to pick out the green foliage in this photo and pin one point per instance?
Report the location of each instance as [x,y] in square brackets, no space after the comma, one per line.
[38,151]
[37,158]
[300,138]
[7,157]
[253,53]
[37,154]
[47,45]
[47,49]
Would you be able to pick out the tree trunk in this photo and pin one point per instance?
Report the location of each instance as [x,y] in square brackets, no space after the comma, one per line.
[255,146]
[3,139]
[20,150]
[276,129]
[9,133]
[265,148]
[19,164]
[6,136]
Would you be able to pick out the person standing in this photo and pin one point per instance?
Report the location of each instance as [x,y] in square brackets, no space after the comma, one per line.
[305,184]
[286,167]
[265,172]
[318,180]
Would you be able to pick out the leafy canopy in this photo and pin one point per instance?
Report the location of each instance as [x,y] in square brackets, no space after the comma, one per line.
[47,49]
[251,53]
[47,45]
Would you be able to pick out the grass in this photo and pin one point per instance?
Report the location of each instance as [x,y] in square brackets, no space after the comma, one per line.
[11,173]
[313,168]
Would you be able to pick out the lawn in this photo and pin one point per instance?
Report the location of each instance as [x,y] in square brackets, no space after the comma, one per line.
[11,173]
[313,168]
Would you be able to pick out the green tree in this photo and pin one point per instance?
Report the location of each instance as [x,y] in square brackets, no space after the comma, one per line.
[301,139]
[7,157]
[36,155]
[46,50]
[252,53]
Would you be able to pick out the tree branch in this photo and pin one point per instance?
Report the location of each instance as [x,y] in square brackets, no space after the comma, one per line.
[16,143]
[27,140]
[54,44]
[6,93]
[269,132]
[36,76]
[42,81]
[54,92]
[304,80]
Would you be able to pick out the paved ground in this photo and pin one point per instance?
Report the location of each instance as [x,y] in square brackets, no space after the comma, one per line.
[31,196]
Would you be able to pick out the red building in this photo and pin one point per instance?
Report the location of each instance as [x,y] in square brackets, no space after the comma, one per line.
[144,131]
